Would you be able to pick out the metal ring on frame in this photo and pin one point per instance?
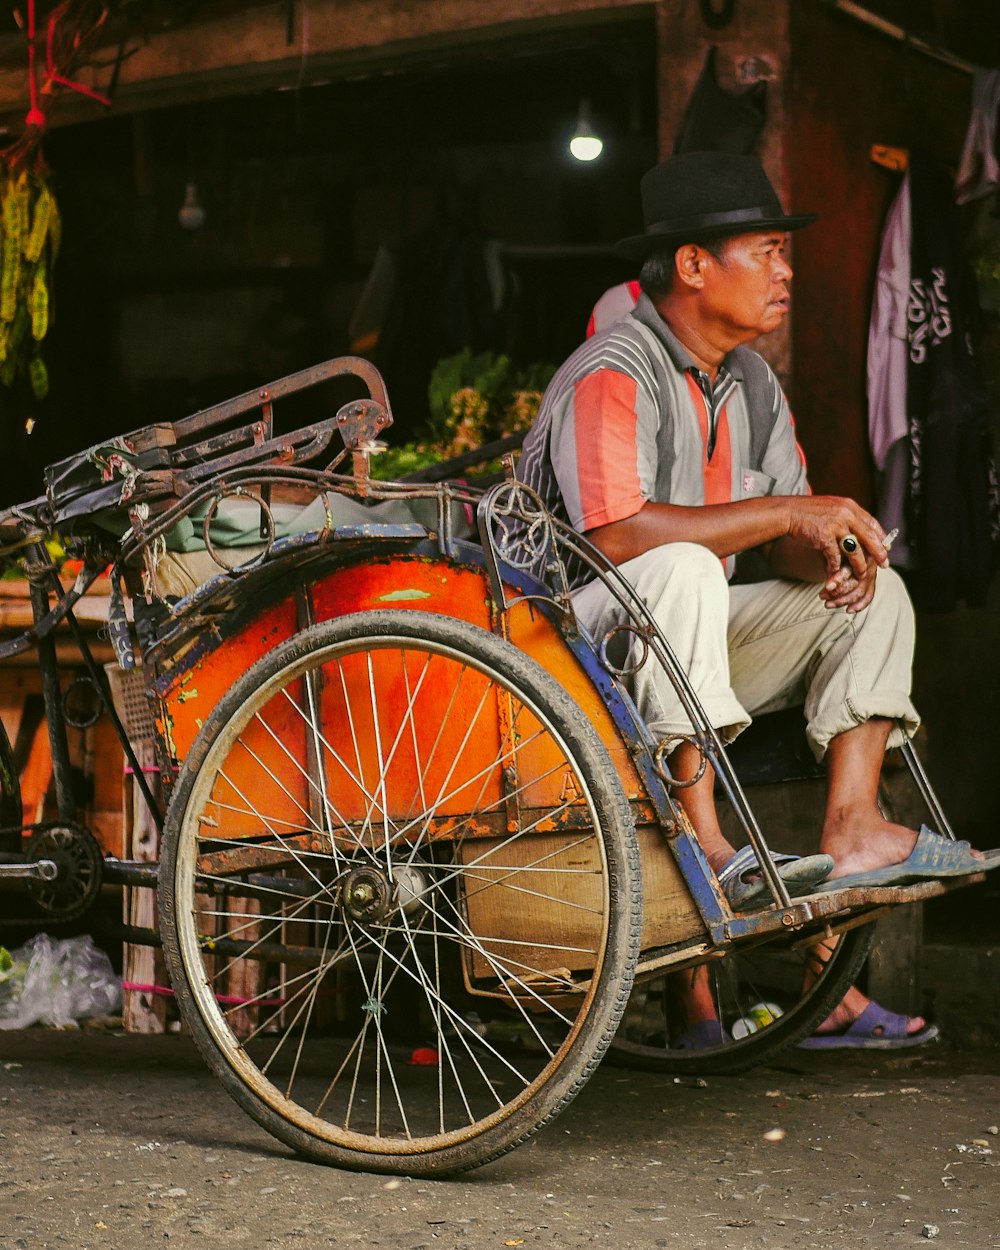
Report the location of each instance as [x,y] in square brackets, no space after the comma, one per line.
[82,720]
[213,508]
[625,670]
[664,773]
[512,504]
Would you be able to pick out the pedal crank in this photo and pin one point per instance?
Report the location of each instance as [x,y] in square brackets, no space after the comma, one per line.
[17,869]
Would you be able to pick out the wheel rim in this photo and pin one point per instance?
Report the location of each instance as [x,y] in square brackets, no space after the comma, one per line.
[432,772]
[764,998]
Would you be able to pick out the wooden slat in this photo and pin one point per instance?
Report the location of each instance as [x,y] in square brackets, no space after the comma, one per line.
[144,1010]
[552,921]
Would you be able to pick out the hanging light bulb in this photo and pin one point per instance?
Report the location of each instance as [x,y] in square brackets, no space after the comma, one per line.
[192,211]
[585,145]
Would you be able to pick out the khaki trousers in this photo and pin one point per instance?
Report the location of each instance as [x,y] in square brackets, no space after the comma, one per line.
[749,649]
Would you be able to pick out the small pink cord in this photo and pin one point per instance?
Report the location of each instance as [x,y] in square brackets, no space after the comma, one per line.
[228,999]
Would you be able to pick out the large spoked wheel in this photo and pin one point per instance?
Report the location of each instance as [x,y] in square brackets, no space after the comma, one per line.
[766,997]
[399,893]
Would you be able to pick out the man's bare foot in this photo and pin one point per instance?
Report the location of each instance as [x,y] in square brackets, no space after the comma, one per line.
[719,855]
[855,832]
[860,839]
[850,1008]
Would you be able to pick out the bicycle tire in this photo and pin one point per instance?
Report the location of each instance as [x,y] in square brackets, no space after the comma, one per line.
[381,686]
[746,983]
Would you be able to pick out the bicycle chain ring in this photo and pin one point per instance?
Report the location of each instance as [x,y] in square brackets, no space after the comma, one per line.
[79,865]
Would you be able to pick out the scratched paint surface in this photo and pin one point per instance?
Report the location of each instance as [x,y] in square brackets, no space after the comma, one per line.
[426,585]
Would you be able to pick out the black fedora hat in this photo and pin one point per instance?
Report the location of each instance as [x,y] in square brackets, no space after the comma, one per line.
[701,195]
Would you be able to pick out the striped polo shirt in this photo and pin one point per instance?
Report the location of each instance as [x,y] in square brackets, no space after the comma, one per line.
[630,418]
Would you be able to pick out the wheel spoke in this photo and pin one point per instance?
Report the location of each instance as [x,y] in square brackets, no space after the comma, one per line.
[393,846]
[765,999]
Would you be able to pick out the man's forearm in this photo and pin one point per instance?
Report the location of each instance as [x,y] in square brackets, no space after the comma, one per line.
[726,529]
[794,525]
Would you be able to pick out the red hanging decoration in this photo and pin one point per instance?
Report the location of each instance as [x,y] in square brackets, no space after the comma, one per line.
[71,27]
[35,115]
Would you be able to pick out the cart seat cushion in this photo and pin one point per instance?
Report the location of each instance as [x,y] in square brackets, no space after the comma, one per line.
[236,527]
[237,521]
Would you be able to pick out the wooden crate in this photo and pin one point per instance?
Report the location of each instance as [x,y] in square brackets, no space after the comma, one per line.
[552,938]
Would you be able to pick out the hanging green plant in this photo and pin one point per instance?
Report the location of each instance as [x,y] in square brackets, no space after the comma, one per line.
[30,229]
[473,399]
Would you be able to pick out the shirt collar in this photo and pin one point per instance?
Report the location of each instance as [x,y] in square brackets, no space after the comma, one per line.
[645,311]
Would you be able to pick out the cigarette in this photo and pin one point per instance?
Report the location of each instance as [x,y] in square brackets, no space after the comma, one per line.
[890,538]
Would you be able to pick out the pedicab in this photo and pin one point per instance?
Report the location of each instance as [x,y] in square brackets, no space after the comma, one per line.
[422,861]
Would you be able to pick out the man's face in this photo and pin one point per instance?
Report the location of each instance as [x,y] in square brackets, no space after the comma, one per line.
[746,291]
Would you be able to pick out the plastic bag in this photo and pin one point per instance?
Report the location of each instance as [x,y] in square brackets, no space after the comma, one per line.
[56,982]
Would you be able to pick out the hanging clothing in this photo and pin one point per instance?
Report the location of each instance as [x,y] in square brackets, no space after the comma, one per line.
[978,169]
[927,414]
[888,353]
[716,120]
[953,505]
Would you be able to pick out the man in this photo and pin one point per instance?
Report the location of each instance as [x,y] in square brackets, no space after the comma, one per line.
[670,444]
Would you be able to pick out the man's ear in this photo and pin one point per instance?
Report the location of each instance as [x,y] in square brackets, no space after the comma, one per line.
[689,261]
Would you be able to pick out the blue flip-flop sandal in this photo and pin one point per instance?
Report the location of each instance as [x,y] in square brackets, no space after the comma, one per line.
[801,874]
[932,857]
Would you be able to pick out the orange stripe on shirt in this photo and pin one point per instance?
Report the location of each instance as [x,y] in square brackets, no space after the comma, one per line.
[607,460]
[717,472]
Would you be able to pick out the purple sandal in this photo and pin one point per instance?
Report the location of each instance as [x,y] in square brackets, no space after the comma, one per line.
[874,1029]
[700,1036]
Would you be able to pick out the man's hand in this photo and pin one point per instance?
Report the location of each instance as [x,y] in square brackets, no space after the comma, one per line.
[845,590]
[820,522]
[799,534]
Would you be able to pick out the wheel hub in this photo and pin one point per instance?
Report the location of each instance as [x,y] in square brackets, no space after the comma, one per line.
[370,896]
[411,885]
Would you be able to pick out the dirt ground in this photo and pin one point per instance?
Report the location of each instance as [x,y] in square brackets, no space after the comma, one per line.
[111,1141]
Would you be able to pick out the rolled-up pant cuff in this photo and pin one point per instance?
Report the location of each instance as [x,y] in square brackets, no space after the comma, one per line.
[889,705]
[723,712]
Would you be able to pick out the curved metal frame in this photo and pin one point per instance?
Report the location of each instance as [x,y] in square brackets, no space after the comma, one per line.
[539,545]
[525,551]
